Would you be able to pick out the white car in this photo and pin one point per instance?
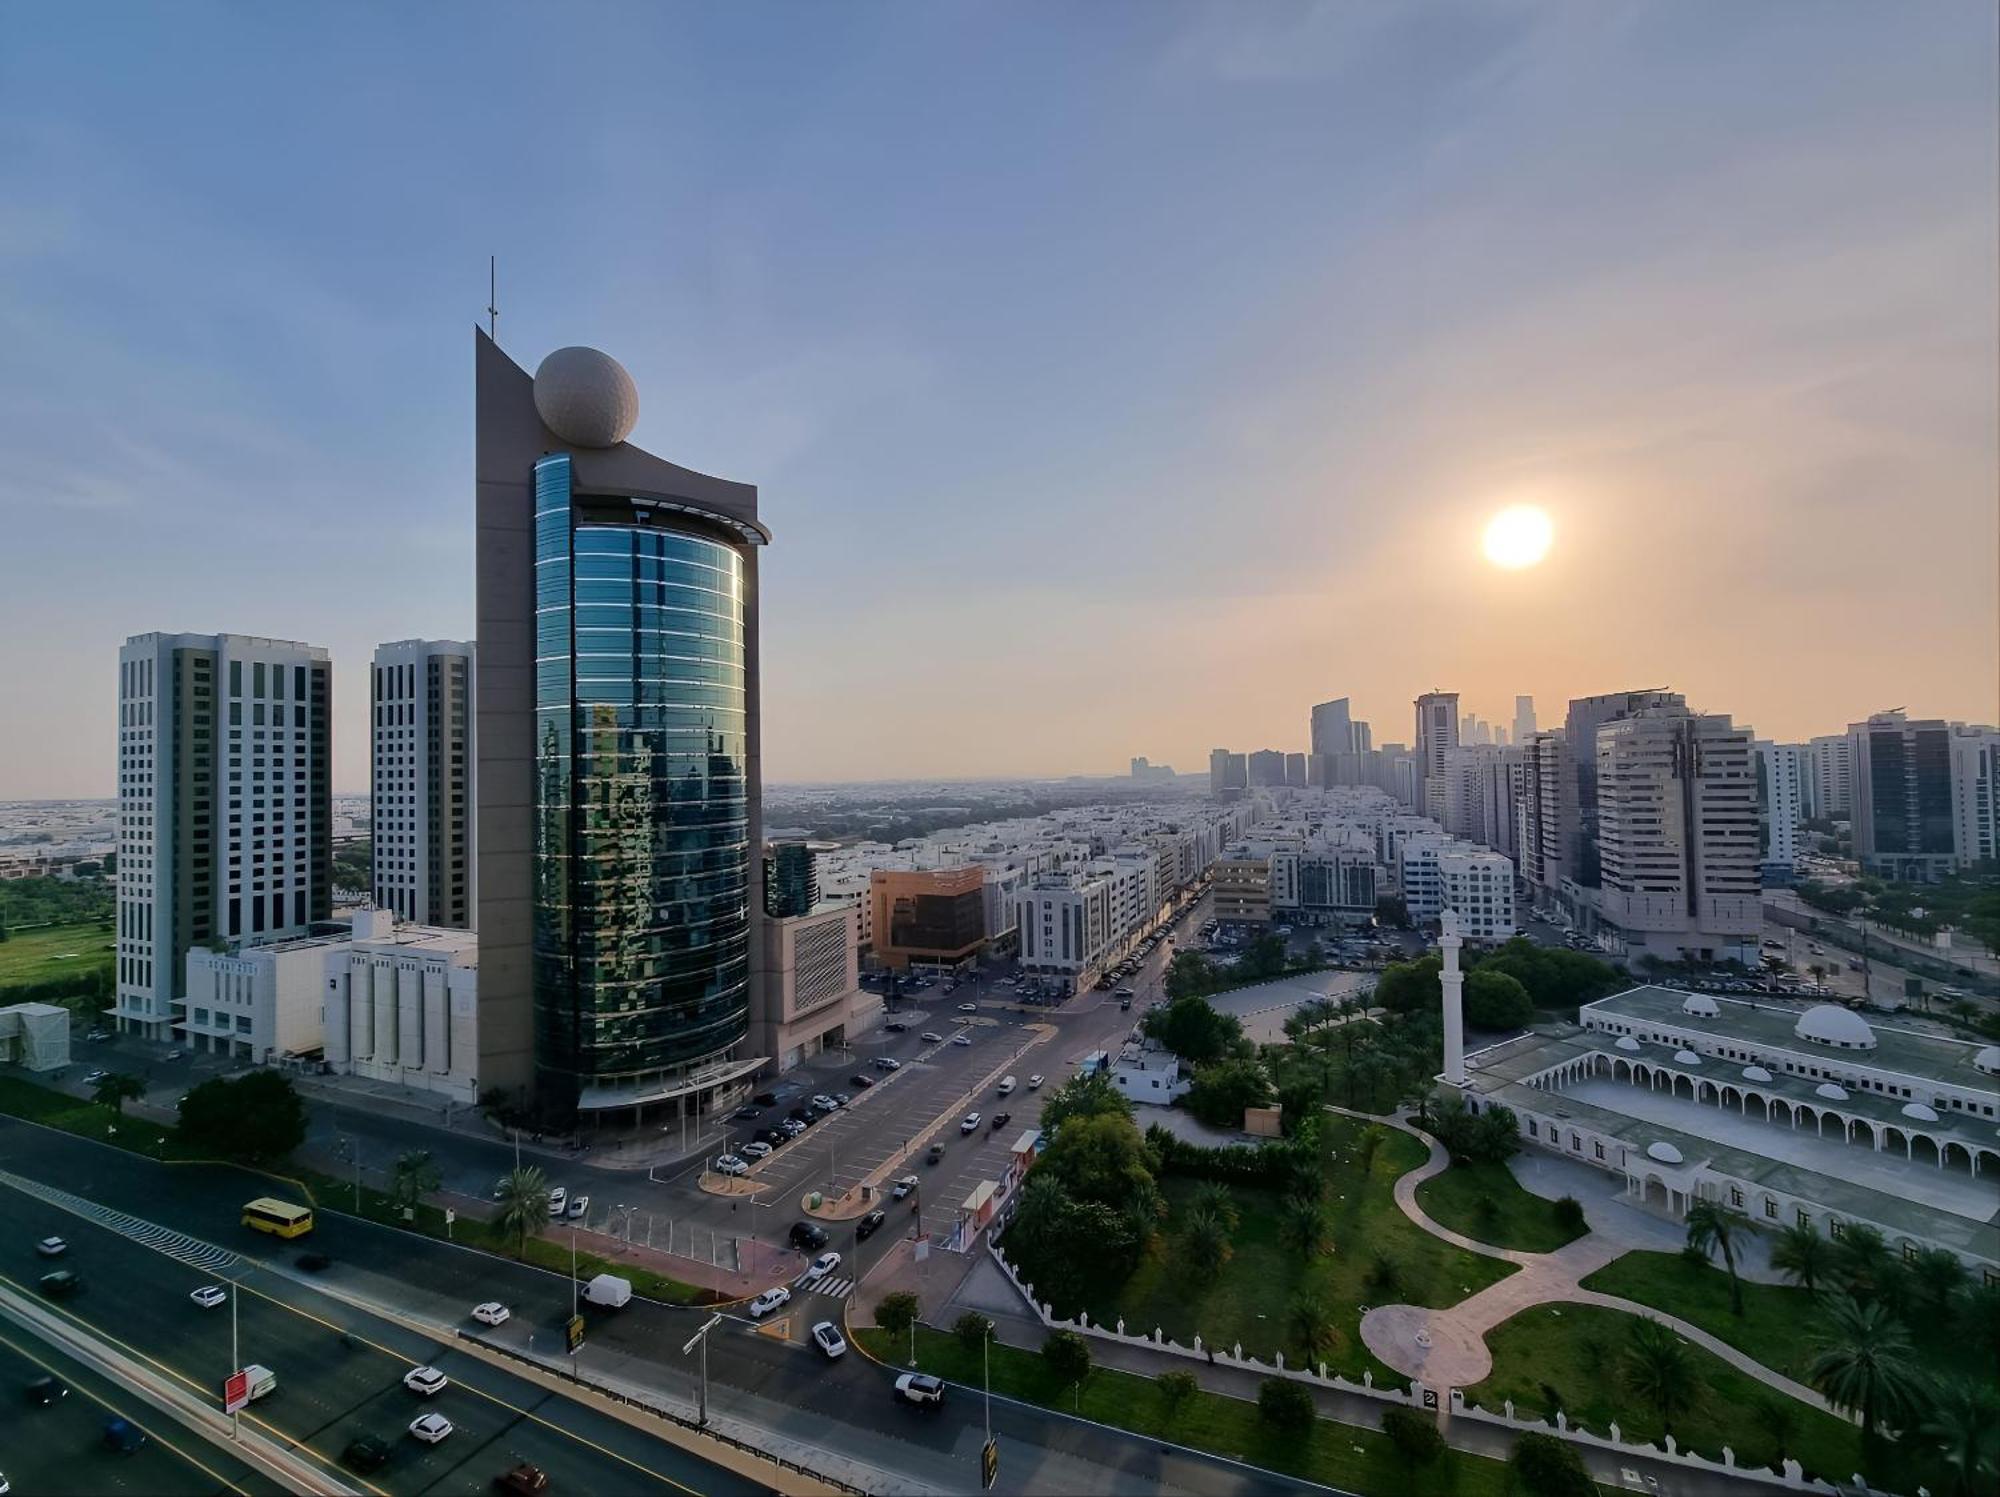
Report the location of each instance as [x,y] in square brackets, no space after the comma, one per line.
[757,1149]
[425,1380]
[430,1428]
[887,1063]
[930,1037]
[921,1389]
[1035,1083]
[961,1038]
[209,1296]
[91,1078]
[769,1300]
[826,1336]
[558,1199]
[818,1269]
[491,1313]
[729,1164]
[51,1247]
[823,1102]
[579,1205]
[968,1008]
[903,1187]
[971,1123]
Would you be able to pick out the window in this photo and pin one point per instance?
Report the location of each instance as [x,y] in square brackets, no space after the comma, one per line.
[1599,1148]
[1836,1229]
[1736,1196]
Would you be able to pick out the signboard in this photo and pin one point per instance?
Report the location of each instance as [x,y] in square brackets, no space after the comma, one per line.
[1430,1398]
[989,1464]
[573,1332]
[235,1391]
[923,1246]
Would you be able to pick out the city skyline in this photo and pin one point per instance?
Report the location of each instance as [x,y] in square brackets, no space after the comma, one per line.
[1405,293]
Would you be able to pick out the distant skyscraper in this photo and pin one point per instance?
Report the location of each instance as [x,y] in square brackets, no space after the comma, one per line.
[1524,719]
[224,808]
[1678,834]
[1784,774]
[1226,772]
[618,739]
[1332,728]
[420,792]
[1586,716]
[791,879]
[1833,775]
[1903,796]
[1267,768]
[1546,782]
[1364,736]
[1437,735]
[1295,769]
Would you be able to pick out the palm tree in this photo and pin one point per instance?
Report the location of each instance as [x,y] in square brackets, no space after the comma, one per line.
[1863,1259]
[1657,1369]
[524,1204]
[1710,1226]
[1936,1277]
[1779,1418]
[1312,1325]
[1963,1424]
[1220,1201]
[413,1177]
[1304,1224]
[1803,1256]
[1204,1244]
[1863,1363]
[116,1089]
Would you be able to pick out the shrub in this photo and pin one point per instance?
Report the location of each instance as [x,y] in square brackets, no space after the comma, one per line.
[1176,1388]
[1496,1000]
[896,1313]
[1285,1404]
[1569,1214]
[1384,1275]
[1415,1436]
[1068,1356]
[1222,1091]
[972,1329]
[1549,1467]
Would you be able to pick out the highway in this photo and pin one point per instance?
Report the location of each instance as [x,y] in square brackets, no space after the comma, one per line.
[329,1393]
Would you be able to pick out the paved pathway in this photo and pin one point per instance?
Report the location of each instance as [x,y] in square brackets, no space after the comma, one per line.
[1448,1346]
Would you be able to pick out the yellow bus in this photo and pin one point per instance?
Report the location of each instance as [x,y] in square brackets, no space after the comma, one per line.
[279,1218]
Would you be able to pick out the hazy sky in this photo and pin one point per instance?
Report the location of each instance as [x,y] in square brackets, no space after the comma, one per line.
[1120,378]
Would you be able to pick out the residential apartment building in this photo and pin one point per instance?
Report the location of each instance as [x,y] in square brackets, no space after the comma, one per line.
[1478,885]
[932,916]
[1541,847]
[1784,790]
[1322,881]
[1241,886]
[421,802]
[1437,735]
[1832,775]
[224,806]
[1481,787]
[1975,793]
[1680,850]
[1902,796]
[1586,716]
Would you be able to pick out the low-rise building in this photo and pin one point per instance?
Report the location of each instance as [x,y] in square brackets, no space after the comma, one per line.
[930,916]
[809,997]
[1148,1072]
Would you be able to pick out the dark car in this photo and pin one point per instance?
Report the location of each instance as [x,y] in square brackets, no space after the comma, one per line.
[803,1115]
[523,1480]
[1001,1120]
[766,1099]
[936,1153]
[808,1236]
[44,1391]
[865,1228]
[770,1136]
[61,1284]
[315,1262]
[746,1114]
[861,1079]
[365,1454]
[122,1436]
[896,1026]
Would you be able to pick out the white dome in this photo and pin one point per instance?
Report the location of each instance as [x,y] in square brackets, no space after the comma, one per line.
[1700,1005]
[1687,1057]
[1756,1073]
[1833,1091]
[1920,1112]
[1665,1153]
[1988,1060]
[586,397]
[1829,1024]
[1626,1042]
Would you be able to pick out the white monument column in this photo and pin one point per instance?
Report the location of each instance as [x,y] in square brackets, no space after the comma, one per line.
[1453,982]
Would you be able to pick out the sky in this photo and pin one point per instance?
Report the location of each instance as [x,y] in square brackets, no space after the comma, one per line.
[1118,379]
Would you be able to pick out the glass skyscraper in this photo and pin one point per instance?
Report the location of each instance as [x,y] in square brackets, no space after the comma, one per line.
[641,827]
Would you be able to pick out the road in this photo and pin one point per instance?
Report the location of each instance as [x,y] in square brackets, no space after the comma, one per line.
[329,1393]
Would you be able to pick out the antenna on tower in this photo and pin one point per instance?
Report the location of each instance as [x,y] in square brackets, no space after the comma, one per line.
[492,298]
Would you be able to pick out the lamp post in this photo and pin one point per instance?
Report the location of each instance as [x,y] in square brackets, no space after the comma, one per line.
[700,1338]
[235,1358]
[573,1309]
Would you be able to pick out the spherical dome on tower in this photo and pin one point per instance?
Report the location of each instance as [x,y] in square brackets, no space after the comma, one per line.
[586,397]
[1830,1024]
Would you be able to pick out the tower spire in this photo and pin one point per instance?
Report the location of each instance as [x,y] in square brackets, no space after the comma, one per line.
[493,298]
[1453,983]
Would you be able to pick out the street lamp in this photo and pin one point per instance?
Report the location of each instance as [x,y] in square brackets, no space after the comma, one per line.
[700,1338]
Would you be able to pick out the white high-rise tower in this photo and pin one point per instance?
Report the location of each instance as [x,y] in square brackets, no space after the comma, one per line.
[1453,982]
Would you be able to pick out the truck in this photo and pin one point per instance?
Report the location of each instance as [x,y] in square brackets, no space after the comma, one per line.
[608,1290]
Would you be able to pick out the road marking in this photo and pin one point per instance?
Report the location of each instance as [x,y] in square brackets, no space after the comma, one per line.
[191,1251]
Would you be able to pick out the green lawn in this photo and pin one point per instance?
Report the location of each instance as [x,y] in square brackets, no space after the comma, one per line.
[55,953]
[1341,1455]
[1577,1350]
[1486,1202]
[23,1099]
[1250,1301]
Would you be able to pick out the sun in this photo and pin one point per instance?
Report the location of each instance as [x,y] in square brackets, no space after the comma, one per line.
[1518,536]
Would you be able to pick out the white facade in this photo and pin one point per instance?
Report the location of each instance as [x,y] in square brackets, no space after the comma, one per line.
[811,997]
[1975,793]
[1479,886]
[1832,775]
[1784,778]
[422,790]
[1149,1073]
[1482,785]
[223,805]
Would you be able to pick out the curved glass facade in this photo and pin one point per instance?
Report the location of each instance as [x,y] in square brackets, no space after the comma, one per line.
[642,857]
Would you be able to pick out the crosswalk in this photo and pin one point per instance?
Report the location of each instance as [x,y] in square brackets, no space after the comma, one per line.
[176,1245]
[834,1288]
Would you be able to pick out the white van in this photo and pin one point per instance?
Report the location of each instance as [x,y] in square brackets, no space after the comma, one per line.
[262,1380]
[1006,1085]
[608,1290]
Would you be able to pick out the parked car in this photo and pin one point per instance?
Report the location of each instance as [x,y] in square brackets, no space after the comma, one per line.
[491,1313]
[896,1026]
[903,1187]
[558,1201]
[970,1123]
[579,1205]
[766,1099]
[91,1078]
[823,1102]
[826,1336]
[756,1150]
[841,1099]
[920,1389]
[430,1428]
[769,1137]
[729,1164]
[865,1228]
[968,1008]
[769,1300]
[791,1127]
[961,1038]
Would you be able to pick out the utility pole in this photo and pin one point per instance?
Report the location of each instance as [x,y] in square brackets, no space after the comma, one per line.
[700,1338]
[235,1358]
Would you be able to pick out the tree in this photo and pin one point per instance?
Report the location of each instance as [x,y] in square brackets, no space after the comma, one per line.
[1304,1225]
[1486,1137]
[1369,1147]
[1863,1364]
[1104,1159]
[1568,1211]
[1549,1467]
[1204,1245]
[1863,1260]
[971,1329]
[1224,1090]
[1963,1425]
[1092,1096]
[1176,1388]
[1415,1436]
[1193,1029]
[1657,1369]
[1803,1256]
[1495,1000]
[1068,1357]
[1312,1325]
[1190,975]
[523,1202]
[1073,1252]
[1285,1405]
[1778,1417]
[1711,1226]
[116,1089]
[1407,987]
[1213,1195]
[896,1313]
[255,1118]
[413,1176]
